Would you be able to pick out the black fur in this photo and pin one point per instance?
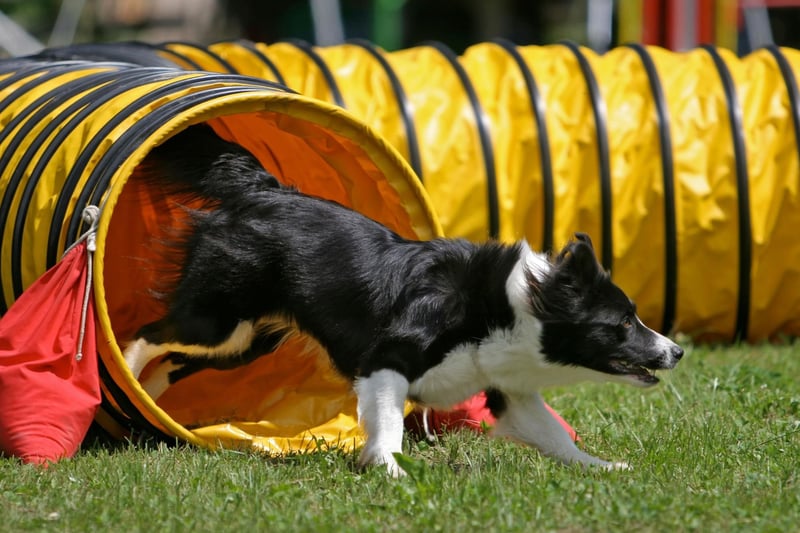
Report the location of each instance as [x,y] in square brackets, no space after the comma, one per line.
[419,300]
[375,300]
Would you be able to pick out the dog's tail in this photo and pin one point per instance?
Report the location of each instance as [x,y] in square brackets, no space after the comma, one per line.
[196,163]
[197,172]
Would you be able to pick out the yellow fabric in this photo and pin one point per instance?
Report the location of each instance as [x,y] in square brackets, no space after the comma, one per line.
[32,261]
[367,91]
[298,70]
[244,60]
[705,188]
[452,162]
[774,196]
[291,401]
[504,98]
[198,54]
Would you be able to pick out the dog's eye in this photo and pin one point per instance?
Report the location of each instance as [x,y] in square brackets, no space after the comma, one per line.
[627,322]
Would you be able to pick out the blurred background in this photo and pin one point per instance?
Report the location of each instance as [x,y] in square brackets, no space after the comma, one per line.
[741,25]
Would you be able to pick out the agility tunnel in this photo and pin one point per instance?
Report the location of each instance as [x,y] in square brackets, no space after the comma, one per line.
[683,167]
[75,134]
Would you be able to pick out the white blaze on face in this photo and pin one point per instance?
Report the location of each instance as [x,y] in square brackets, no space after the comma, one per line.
[665,346]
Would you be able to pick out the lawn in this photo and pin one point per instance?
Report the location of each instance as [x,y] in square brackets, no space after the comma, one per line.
[715,447]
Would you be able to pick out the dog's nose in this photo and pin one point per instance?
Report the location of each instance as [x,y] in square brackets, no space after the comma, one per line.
[677,352]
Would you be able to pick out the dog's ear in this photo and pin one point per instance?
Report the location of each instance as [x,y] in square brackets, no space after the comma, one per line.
[578,261]
[584,237]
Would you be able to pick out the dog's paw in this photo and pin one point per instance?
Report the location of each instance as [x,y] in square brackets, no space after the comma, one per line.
[374,457]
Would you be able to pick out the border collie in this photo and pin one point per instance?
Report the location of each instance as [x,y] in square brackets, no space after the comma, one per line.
[432,321]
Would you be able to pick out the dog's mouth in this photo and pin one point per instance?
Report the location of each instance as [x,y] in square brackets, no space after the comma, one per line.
[642,374]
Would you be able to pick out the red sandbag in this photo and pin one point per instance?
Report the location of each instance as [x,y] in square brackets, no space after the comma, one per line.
[49,393]
[471,413]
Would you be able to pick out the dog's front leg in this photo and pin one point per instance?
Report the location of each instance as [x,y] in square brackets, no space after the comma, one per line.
[381,398]
[527,420]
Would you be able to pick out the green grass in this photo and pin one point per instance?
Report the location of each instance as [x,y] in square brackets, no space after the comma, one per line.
[715,447]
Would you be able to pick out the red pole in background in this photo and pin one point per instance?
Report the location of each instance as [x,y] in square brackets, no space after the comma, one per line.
[653,22]
[683,24]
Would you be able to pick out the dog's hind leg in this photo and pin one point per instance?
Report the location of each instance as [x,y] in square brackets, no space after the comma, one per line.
[159,380]
[526,419]
[148,344]
[139,353]
[177,366]
[202,337]
[381,398]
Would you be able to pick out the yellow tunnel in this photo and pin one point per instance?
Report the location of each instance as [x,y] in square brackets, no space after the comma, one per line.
[74,133]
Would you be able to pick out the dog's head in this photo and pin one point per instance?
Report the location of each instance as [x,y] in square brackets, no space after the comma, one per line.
[587,321]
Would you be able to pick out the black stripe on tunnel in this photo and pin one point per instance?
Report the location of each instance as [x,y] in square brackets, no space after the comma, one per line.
[482,123]
[223,63]
[791,88]
[539,110]
[126,145]
[308,50]
[406,111]
[39,109]
[179,60]
[23,68]
[668,177]
[743,190]
[88,151]
[250,47]
[78,110]
[603,157]
[127,407]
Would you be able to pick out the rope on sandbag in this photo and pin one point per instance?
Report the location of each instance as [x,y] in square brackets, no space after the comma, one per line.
[743,191]
[668,177]
[603,152]
[251,47]
[90,215]
[308,50]
[406,111]
[791,88]
[483,125]
[539,110]
[201,50]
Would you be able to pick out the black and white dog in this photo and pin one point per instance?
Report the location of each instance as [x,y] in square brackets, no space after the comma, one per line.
[433,321]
